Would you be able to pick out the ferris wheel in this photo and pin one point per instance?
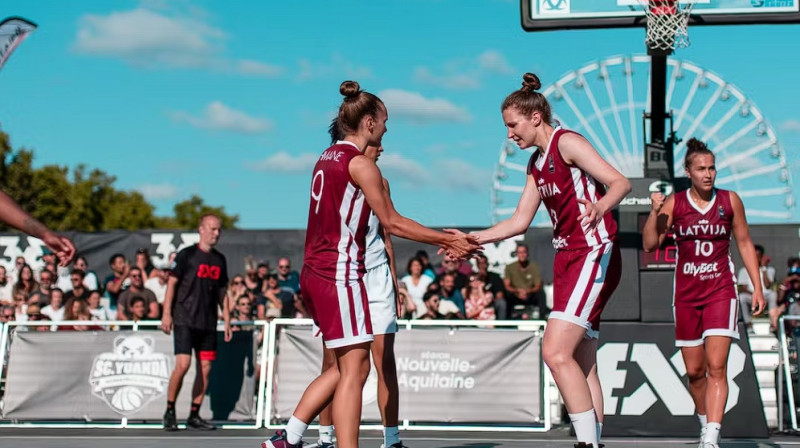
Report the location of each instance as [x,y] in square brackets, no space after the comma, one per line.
[605,101]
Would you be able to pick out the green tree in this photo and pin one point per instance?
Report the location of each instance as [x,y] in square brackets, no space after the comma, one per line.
[87,200]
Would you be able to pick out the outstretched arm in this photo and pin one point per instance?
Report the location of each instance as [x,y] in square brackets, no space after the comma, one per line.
[12,214]
[367,175]
[519,222]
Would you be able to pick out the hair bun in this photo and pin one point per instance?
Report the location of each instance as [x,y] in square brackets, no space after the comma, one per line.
[530,82]
[349,89]
[696,145]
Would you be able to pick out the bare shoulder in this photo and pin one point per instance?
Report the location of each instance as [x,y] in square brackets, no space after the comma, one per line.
[573,138]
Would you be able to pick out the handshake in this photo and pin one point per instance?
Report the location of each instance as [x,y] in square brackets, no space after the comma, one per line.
[458,245]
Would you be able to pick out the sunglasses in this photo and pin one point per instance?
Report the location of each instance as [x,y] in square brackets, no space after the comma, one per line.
[237,282]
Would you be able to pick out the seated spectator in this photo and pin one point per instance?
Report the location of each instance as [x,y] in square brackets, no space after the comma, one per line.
[263,270]
[90,279]
[77,309]
[96,308]
[449,293]
[789,290]
[494,284]
[20,306]
[136,289]
[55,311]
[478,301]
[25,281]
[118,280]
[235,289]
[431,300]
[252,282]
[427,267]
[138,308]
[34,314]
[404,312]
[275,294]
[453,267]
[243,312]
[523,282]
[143,261]
[77,289]
[6,287]
[416,284]
[7,313]
[157,283]
[42,294]
[745,288]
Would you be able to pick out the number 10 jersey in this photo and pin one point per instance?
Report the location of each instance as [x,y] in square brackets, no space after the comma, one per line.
[704,272]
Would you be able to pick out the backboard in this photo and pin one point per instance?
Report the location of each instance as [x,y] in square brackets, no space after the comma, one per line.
[542,15]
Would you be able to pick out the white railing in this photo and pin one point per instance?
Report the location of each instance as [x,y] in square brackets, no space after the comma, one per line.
[785,373]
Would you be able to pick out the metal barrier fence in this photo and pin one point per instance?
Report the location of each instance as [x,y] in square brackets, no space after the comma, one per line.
[785,372]
[112,389]
[454,365]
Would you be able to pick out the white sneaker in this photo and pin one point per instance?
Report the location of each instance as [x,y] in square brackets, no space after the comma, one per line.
[710,445]
[702,436]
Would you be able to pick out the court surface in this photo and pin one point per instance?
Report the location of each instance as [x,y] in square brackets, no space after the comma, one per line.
[141,438]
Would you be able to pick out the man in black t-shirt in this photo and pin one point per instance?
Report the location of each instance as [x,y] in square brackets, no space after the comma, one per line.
[195,290]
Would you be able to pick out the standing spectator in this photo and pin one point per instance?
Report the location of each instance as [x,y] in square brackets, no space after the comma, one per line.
[452,267]
[477,300]
[450,293]
[6,287]
[118,280]
[494,284]
[55,310]
[142,261]
[287,278]
[195,290]
[136,289]
[416,283]
[524,283]
[745,288]
[42,294]
[252,282]
[158,283]
[78,290]
[281,298]
[96,307]
[25,284]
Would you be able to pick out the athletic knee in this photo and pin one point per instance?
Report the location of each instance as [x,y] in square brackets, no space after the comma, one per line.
[718,371]
[556,357]
[696,373]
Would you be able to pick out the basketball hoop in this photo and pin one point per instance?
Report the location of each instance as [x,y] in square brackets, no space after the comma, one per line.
[667,23]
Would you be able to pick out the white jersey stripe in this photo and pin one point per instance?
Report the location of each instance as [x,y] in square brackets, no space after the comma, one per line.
[345,241]
[352,281]
[580,193]
[600,278]
[732,321]
[584,279]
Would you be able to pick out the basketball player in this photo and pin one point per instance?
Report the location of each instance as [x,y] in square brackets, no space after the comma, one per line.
[705,300]
[195,289]
[13,215]
[567,174]
[345,186]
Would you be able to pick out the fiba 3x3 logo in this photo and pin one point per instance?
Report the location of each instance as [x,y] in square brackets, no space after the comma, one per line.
[130,376]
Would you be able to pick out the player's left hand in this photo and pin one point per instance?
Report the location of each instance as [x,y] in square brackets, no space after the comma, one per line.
[61,246]
[758,303]
[228,332]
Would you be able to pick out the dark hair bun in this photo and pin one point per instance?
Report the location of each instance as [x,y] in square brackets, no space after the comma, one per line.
[696,145]
[349,89]
[530,82]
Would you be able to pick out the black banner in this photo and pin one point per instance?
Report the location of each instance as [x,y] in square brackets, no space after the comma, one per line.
[646,391]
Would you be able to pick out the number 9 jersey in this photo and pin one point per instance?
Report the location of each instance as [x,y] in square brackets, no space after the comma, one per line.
[704,272]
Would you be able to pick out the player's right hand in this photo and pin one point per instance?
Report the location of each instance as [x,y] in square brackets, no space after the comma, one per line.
[657,201]
[462,246]
[166,324]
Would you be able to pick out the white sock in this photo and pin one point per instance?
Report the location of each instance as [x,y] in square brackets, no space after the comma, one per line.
[294,430]
[703,420]
[585,424]
[712,433]
[391,435]
[326,434]
[599,431]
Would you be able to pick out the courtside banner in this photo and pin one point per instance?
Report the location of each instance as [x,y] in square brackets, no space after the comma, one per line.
[108,375]
[445,375]
[646,390]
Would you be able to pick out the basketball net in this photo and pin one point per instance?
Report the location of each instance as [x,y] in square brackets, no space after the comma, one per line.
[667,23]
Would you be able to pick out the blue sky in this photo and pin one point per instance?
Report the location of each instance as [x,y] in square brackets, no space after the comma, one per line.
[231,100]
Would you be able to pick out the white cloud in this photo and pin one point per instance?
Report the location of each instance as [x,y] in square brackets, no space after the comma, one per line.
[465,73]
[283,162]
[790,125]
[147,38]
[402,169]
[218,116]
[493,61]
[156,192]
[457,174]
[337,66]
[420,110]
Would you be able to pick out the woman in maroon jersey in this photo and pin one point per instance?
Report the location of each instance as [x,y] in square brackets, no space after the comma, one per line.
[345,186]
[568,175]
[705,302]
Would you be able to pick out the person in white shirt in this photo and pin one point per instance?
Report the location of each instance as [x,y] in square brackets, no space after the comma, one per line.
[6,287]
[158,283]
[55,311]
[416,285]
[99,312]
[745,287]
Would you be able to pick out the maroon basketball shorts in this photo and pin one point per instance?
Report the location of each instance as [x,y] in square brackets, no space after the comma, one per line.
[583,281]
[716,317]
[341,311]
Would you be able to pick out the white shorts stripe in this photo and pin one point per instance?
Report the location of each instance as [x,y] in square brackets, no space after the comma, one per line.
[599,280]
[584,279]
[344,310]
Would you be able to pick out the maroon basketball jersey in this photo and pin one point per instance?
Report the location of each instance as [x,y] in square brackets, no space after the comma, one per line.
[560,186]
[337,218]
[704,270]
